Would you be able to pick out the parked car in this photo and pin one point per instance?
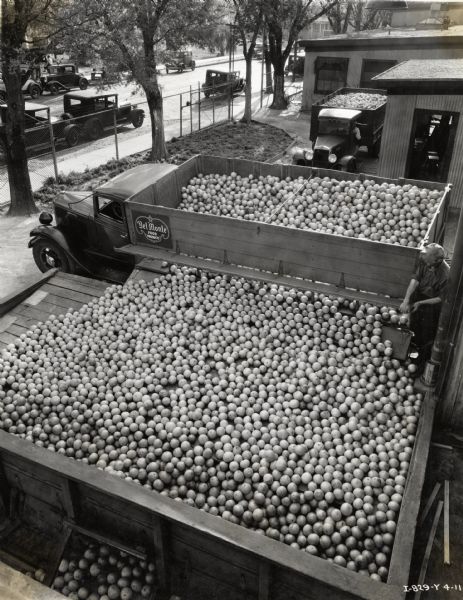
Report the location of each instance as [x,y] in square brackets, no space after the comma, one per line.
[90,227]
[179,61]
[37,128]
[93,112]
[62,77]
[295,66]
[223,83]
[29,85]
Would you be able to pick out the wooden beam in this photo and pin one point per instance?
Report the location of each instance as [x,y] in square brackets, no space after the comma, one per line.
[12,300]
[427,554]
[430,502]
[446,522]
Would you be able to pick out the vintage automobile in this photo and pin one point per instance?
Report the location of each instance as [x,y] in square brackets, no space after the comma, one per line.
[90,227]
[223,83]
[179,61]
[295,65]
[30,85]
[37,128]
[93,112]
[62,77]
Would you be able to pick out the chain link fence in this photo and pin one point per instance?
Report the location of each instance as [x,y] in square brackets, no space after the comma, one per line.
[95,131]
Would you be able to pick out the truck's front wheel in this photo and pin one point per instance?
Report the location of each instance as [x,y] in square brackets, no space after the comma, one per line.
[137,119]
[49,255]
[93,129]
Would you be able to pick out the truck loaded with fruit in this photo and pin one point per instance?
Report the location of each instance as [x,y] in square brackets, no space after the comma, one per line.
[238,415]
[340,124]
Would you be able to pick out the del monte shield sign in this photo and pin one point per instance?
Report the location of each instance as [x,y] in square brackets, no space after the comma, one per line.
[152,229]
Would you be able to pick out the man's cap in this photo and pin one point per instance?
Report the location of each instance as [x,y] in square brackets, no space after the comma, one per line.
[433,251]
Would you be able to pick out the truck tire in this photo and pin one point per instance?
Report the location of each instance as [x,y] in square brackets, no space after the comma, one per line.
[137,117]
[167,70]
[34,91]
[83,83]
[53,89]
[49,255]
[72,135]
[3,96]
[193,65]
[93,129]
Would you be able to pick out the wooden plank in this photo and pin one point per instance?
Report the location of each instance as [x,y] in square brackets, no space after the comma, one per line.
[446,523]
[430,502]
[6,338]
[55,559]
[77,286]
[161,556]
[17,329]
[87,281]
[427,553]
[8,302]
[403,543]
[68,294]
[270,278]
[264,581]
[51,305]
[6,321]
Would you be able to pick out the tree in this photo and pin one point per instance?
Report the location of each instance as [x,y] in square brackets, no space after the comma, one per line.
[290,17]
[23,21]
[248,22]
[355,15]
[138,29]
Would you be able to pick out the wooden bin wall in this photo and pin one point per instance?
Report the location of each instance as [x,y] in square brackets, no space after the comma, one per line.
[346,262]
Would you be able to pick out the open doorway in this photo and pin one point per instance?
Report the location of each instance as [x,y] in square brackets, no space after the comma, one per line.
[431,145]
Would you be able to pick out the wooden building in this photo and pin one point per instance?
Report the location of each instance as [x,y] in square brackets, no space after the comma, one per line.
[353,59]
[423,127]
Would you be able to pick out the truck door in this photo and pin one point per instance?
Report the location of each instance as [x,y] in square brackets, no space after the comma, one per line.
[110,232]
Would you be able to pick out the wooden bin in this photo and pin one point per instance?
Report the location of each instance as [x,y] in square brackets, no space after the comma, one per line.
[198,556]
[351,263]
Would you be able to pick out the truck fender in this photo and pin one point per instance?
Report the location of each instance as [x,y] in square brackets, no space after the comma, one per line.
[345,161]
[44,232]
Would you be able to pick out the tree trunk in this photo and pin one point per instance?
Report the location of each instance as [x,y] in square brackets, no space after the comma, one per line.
[279,100]
[13,140]
[248,91]
[158,145]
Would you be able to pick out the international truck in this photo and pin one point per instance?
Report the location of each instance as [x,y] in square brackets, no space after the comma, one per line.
[341,123]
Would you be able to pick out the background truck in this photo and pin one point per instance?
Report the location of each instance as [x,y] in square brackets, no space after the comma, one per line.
[62,77]
[179,61]
[93,112]
[335,142]
[223,83]
[39,128]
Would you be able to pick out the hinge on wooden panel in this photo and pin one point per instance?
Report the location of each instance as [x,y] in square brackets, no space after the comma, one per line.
[342,282]
[280,268]
[177,247]
[225,258]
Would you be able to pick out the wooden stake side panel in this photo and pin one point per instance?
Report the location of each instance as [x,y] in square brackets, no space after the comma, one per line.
[408,516]
[356,264]
[436,229]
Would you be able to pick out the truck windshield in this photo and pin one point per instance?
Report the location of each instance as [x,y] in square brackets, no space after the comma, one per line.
[333,127]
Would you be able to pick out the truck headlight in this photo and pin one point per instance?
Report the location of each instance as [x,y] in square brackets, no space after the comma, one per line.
[296,150]
[332,158]
[308,154]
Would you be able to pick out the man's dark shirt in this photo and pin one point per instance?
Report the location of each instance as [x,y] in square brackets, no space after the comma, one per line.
[432,282]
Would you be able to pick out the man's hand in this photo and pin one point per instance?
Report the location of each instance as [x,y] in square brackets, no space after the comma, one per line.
[404,307]
[414,307]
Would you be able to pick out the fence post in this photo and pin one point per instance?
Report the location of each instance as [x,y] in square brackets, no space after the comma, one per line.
[199,106]
[181,114]
[213,110]
[191,111]
[53,150]
[115,133]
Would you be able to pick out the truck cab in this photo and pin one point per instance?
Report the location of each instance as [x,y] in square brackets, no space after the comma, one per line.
[90,227]
[337,142]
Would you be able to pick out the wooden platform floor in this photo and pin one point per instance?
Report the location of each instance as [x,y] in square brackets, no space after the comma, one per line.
[60,294]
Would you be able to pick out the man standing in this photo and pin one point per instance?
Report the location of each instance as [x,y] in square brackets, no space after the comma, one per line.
[423,298]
